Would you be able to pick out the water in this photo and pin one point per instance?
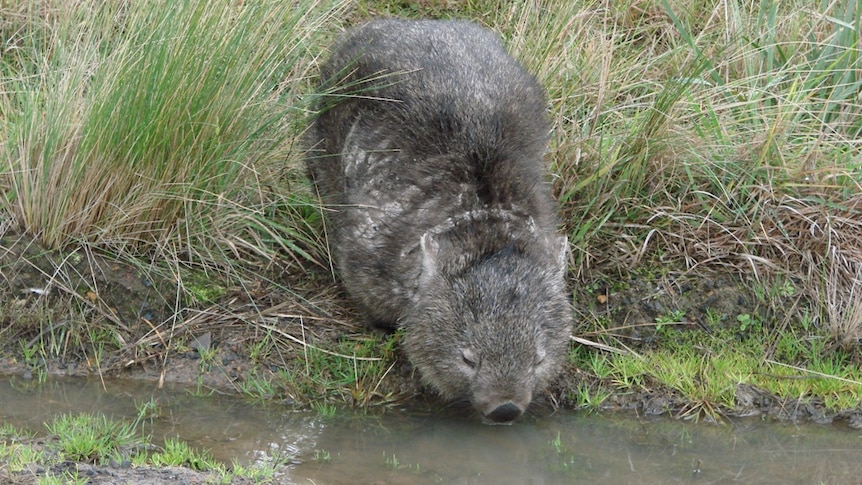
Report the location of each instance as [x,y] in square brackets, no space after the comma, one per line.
[409,447]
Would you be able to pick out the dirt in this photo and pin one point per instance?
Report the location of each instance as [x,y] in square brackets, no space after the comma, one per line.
[144,475]
[74,300]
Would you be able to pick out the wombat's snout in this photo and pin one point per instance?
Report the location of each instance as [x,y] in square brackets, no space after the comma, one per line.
[505,413]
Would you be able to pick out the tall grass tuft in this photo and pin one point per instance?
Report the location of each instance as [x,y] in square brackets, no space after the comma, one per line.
[159,124]
[719,134]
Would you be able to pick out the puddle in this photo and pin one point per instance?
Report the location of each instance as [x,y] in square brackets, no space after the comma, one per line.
[407,447]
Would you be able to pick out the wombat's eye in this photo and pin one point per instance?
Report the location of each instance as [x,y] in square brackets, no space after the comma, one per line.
[469,358]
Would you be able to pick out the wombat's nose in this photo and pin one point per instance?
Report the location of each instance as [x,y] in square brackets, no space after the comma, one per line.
[505,413]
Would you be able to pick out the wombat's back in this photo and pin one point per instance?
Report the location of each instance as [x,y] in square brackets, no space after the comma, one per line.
[432,88]
[425,121]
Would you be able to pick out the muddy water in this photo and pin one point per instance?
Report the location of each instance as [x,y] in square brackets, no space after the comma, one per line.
[411,447]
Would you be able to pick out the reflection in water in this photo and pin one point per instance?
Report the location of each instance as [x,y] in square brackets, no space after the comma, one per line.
[404,447]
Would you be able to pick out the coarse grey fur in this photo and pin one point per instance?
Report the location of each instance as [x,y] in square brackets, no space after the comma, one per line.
[429,152]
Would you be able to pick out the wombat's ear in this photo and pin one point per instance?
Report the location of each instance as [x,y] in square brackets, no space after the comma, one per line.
[430,260]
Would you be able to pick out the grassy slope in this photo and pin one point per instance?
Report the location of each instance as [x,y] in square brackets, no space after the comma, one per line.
[690,136]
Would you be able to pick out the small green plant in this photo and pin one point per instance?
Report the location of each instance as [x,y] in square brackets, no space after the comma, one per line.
[262,348]
[321,456]
[713,317]
[207,358]
[672,318]
[565,459]
[592,288]
[324,409]
[29,353]
[140,459]
[91,437]
[34,356]
[806,320]
[393,464]
[178,453]
[18,456]
[590,399]
[790,348]
[557,443]
[391,461]
[9,431]
[260,472]
[258,386]
[628,372]
[747,322]
[200,389]
[785,289]
[67,478]
[599,364]
[148,410]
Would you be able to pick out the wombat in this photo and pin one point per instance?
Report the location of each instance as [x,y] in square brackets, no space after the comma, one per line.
[428,151]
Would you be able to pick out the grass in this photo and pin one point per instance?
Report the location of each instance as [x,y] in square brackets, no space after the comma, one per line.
[15,453]
[352,374]
[179,453]
[348,372]
[92,438]
[96,438]
[321,456]
[589,399]
[169,115]
[689,137]
[161,134]
[67,478]
[393,464]
[702,374]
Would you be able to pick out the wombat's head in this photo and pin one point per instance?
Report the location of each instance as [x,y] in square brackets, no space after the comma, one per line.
[492,331]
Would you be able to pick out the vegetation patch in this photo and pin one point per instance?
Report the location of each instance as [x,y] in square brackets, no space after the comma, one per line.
[119,450]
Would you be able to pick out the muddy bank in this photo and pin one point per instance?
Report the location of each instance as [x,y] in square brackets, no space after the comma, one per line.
[104,317]
[93,474]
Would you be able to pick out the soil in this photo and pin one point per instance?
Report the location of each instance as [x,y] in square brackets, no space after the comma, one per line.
[144,475]
[77,297]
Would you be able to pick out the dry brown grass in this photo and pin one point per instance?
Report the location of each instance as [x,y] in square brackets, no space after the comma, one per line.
[815,242]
